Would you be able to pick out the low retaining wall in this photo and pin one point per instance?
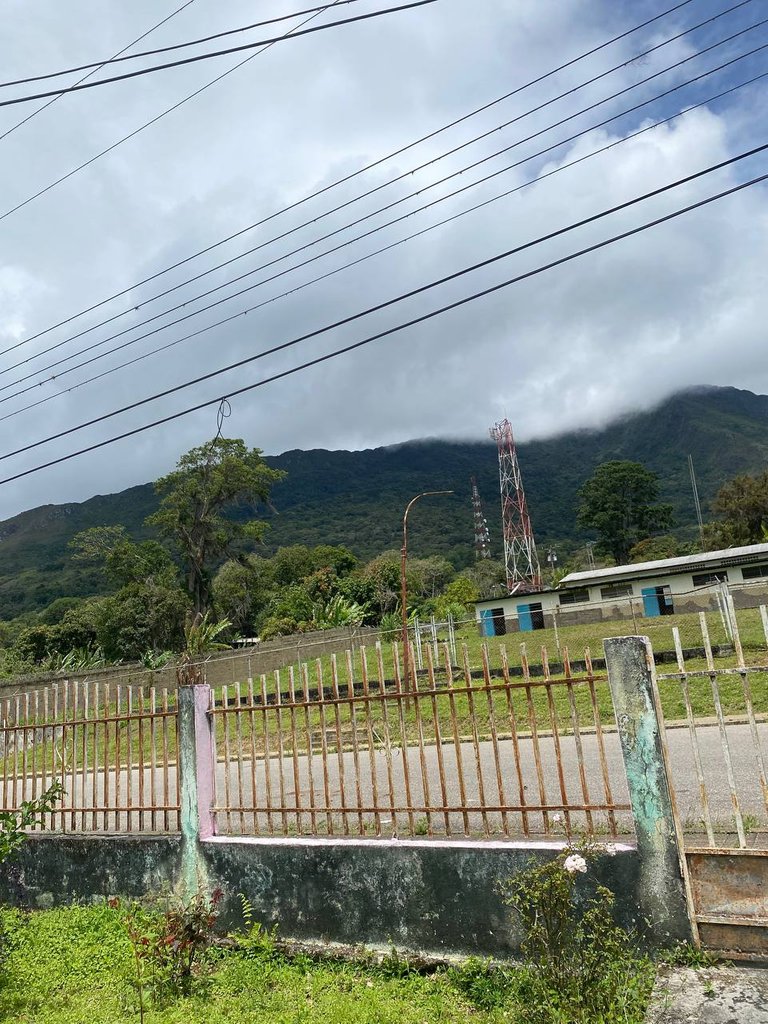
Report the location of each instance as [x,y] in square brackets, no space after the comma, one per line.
[55,870]
[437,897]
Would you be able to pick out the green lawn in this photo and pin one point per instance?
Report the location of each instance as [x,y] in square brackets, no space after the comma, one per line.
[73,966]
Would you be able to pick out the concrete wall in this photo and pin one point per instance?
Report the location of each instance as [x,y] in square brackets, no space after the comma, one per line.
[55,870]
[438,897]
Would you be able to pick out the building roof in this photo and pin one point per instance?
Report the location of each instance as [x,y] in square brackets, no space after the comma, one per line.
[670,566]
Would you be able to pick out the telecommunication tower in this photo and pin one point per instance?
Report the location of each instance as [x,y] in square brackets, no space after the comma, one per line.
[482,534]
[520,557]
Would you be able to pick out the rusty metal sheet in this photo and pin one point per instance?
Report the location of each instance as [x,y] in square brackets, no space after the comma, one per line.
[738,941]
[730,886]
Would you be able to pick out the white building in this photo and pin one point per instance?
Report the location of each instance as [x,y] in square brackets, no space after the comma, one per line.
[645,589]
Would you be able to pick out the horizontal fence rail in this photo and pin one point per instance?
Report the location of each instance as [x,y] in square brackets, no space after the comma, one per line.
[111,748]
[350,749]
[723,803]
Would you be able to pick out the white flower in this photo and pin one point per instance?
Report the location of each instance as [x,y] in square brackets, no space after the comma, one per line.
[575,863]
[611,849]
[557,818]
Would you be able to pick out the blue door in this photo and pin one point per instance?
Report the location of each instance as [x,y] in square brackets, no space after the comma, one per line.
[486,622]
[525,618]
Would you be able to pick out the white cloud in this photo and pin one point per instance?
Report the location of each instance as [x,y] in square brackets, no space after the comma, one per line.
[682,304]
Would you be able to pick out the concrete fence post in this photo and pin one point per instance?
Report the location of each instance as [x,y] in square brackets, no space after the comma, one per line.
[663,891]
[196,766]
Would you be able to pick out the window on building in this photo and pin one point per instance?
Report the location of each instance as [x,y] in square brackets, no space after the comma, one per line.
[577,596]
[754,572]
[499,620]
[706,579]
[529,617]
[616,590]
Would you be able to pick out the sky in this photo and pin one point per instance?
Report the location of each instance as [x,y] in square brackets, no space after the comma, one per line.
[612,331]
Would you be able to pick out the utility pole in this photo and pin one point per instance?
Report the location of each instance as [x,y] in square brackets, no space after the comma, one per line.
[696,501]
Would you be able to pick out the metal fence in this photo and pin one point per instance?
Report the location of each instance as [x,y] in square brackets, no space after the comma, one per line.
[723,800]
[349,749]
[112,748]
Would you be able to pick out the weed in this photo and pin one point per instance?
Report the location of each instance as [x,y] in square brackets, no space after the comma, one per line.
[168,945]
[580,966]
[485,985]
[685,954]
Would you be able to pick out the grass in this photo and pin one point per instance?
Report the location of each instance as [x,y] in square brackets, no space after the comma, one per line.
[73,965]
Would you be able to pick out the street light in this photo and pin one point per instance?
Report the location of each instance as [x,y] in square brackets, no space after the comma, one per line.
[403,590]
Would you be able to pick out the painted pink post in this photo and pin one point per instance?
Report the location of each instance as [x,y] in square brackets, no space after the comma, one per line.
[205,762]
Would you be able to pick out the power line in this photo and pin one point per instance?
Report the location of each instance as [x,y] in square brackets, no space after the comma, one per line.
[377,252]
[217,53]
[393,330]
[418,291]
[138,39]
[313,195]
[148,124]
[308,245]
[118,58]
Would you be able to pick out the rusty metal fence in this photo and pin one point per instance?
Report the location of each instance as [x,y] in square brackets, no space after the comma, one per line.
[723,802]
[348,749]
[112,749]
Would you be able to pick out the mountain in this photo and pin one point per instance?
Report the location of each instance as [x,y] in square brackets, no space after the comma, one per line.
[357,498]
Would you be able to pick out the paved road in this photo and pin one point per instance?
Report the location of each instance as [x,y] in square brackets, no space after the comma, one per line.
[297,783]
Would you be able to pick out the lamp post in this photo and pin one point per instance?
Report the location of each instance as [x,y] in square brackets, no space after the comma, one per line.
[403,587]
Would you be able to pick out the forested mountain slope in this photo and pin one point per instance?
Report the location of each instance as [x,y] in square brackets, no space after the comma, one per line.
[357,498]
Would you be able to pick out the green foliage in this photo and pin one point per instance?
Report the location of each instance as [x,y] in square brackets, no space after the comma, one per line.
[336,612]
[13,824]
[279,626]
[741,506]
[582,968]
[168,945]
[620,503]
[666,546]
[202,636]
[199,498]
[486,985]
[76,964]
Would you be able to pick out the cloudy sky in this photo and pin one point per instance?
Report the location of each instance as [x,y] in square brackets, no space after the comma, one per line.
[684,303]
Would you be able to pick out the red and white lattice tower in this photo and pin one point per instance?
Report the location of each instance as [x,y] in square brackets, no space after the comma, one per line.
[482,534]
[522,562]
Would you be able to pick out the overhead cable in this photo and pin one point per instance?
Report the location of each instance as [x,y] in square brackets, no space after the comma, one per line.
[377,252]
[308,245]
[118,58]
[98,67]
[483,264]
[215,54]
[388,333]
[152,121]
[326,188]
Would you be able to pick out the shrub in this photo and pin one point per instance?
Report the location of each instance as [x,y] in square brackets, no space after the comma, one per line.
[582,966]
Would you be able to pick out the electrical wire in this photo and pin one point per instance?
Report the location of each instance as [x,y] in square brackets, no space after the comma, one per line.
[148,124]
[215,54]
[370,192]
[118,58]
[314,195]
[138,39]
[332,234]
[393,330]
[378,252]
[754,151]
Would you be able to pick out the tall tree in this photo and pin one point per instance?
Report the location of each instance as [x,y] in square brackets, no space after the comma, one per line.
[742,509]
[200,497]
[619,502]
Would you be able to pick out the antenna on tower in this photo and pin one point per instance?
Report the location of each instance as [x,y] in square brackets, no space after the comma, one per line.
[482,533]
[520,557]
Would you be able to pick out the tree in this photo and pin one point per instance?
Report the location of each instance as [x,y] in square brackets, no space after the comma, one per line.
[197,513]
[742,509]
[619,502]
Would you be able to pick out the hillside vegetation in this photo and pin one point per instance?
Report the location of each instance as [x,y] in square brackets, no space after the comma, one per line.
[356,499]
